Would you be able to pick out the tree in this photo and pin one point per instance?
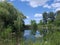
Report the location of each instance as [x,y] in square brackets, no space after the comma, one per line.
[40,26]
[41,22]
[11,11]
[57,20]
[10,16]
[45,17]
[51,16]
[19,29]
[33,26]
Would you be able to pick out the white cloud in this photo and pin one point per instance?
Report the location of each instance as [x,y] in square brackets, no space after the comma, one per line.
[36,3]
[37,19]
[57,9]
[2,0]
[55,5]
[56,0]
[47,6]
[43,3]
[38,15]
[27,21]
[27,17]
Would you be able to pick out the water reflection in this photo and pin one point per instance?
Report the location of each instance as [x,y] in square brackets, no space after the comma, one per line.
[27,32]
[28,35]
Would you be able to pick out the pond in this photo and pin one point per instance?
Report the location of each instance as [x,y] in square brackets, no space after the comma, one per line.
[28,35]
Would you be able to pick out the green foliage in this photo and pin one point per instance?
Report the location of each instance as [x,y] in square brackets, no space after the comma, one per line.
[6,33]
[51,15]
[45,17]
[57,20]
[11,19]
[52,34]
[10,16]
[33,26]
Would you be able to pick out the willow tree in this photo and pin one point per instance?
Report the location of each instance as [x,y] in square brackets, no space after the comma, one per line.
[19,29]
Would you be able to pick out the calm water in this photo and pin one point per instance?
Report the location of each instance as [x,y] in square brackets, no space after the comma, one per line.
[28,35]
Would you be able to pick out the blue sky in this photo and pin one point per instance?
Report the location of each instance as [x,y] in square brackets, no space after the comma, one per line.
[33,9]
